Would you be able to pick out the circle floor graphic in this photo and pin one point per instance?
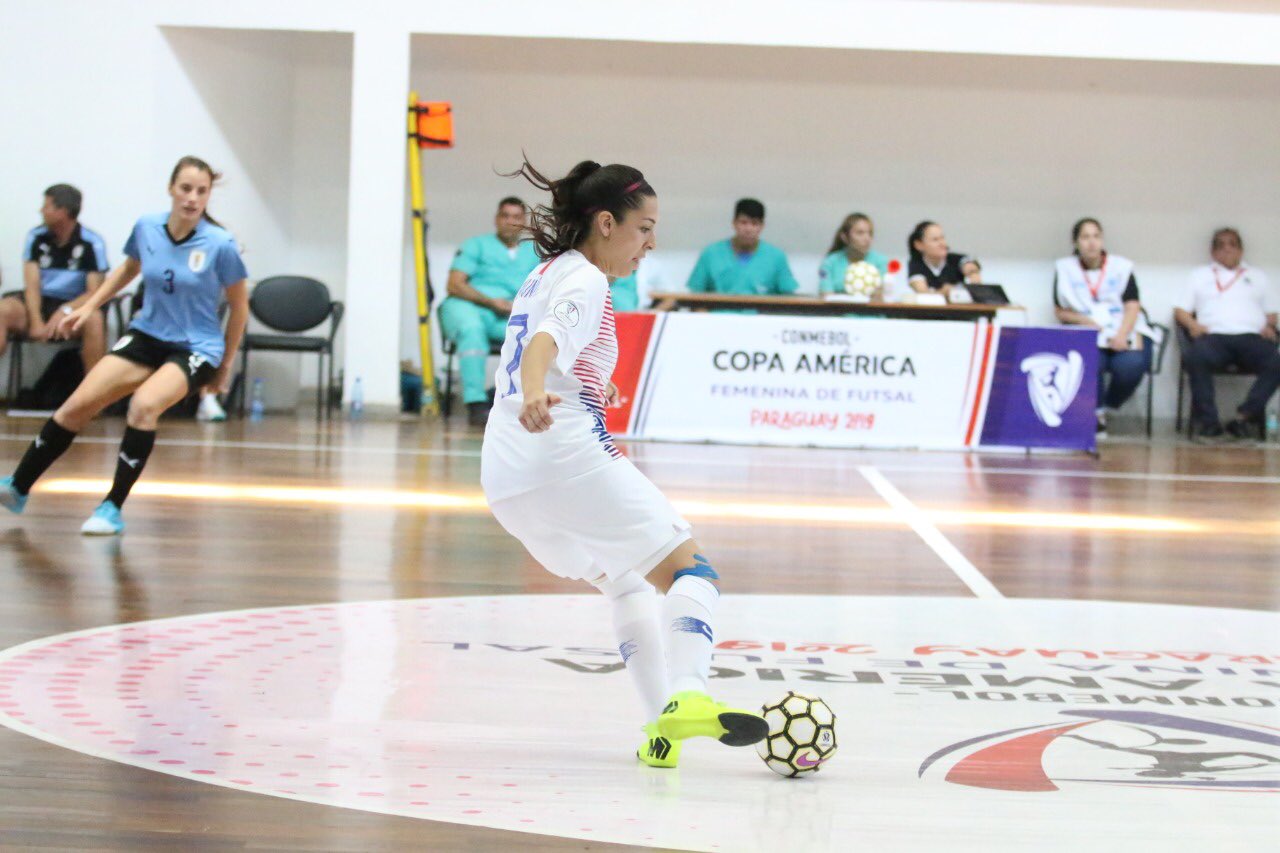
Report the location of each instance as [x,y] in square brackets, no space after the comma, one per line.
[962,723]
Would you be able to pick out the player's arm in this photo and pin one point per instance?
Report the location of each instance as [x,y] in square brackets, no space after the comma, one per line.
[92,281]
[237,294]
[535,414]
[116,281]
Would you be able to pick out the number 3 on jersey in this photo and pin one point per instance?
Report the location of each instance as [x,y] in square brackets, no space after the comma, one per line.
[520,322]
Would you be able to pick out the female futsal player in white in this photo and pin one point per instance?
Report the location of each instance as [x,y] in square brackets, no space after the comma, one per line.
[555,480]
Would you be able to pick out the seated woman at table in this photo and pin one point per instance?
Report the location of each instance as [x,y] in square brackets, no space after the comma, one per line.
[933,267]
[1099,290]
[851,244]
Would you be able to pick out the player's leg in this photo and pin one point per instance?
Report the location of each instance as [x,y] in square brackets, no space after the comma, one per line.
[636,618]
[620,514]
[111,379]
[93,340]
[688,615]
[164,388]
[637,625]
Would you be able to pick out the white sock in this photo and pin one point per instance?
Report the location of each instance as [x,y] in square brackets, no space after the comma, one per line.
[687,612]
[637,627]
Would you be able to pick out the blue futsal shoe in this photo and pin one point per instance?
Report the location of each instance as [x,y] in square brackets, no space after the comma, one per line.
[105,521]
[10,498]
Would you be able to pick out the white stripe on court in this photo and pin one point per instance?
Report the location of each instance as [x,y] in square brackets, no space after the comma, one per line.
[704,462]
[925,529]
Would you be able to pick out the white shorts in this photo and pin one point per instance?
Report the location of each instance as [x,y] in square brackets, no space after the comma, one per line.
[608,521]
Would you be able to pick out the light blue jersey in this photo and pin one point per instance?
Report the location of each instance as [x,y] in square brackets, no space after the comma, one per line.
[64,270]
[831,273]
[722,270]
[184,282]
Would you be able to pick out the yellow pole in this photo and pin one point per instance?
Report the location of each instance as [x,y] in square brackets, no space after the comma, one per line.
[430,398]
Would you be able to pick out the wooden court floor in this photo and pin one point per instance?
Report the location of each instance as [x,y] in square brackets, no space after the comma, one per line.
[283,512]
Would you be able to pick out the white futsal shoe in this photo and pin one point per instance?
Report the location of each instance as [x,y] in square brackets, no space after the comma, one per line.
[210,410]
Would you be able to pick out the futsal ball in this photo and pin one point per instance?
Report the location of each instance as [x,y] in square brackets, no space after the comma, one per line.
[861,279]
[802,735]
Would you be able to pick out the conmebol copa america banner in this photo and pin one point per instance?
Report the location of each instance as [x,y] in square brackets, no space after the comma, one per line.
[846,382]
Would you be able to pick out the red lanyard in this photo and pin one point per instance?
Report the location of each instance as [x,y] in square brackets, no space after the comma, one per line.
[1095,286]
[1223,288]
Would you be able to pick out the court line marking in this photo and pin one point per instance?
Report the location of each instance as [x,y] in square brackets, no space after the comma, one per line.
[295,447]
[932,536]
[642,458]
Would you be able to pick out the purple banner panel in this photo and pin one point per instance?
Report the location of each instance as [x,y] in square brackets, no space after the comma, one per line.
[1044,389]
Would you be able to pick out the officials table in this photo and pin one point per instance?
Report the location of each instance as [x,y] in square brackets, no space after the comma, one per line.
[844,381]
[827,307]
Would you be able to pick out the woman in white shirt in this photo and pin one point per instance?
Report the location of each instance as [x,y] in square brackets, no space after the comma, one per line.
[1096,289]
[555,480]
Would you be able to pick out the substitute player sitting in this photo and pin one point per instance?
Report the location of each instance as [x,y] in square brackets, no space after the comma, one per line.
[555,480]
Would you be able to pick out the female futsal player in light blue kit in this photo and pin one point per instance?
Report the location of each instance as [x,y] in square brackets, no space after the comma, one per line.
[174,346]
[555,480]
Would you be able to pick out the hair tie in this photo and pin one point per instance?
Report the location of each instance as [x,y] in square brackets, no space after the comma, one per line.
[592,211]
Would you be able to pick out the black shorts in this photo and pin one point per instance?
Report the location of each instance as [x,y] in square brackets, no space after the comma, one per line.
[50,304]
[141,348]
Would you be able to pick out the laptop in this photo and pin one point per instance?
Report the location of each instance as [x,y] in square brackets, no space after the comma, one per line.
[987,294]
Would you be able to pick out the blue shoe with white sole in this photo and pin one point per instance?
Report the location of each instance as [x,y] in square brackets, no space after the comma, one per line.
[105,521]
[10,498]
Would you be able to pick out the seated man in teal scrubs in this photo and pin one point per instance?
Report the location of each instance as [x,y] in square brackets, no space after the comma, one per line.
[743,264]
[484,278]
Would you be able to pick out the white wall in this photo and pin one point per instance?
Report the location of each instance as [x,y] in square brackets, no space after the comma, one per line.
[1005,152]
[268,109]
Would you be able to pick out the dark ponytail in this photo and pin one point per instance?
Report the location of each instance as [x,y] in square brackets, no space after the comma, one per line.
[588,189]
[917,233]
[197,163]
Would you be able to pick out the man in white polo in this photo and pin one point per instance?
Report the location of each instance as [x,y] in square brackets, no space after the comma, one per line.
[1230,314]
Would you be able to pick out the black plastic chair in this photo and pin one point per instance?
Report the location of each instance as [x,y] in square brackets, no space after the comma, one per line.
[113,308]
[1184,344]
[1157,362]
[293,304]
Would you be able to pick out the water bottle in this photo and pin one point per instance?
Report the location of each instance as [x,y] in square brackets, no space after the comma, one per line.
[357,399]
[256,405]
[1273,422]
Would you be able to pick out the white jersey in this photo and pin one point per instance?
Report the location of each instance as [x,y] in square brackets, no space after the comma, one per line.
[566,297]
[1229,302]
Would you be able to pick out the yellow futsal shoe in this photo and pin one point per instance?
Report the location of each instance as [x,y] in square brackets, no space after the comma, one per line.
[692,714]
[658,751]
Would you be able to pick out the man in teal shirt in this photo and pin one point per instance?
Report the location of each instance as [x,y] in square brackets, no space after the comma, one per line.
[483,280]
[743,265]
